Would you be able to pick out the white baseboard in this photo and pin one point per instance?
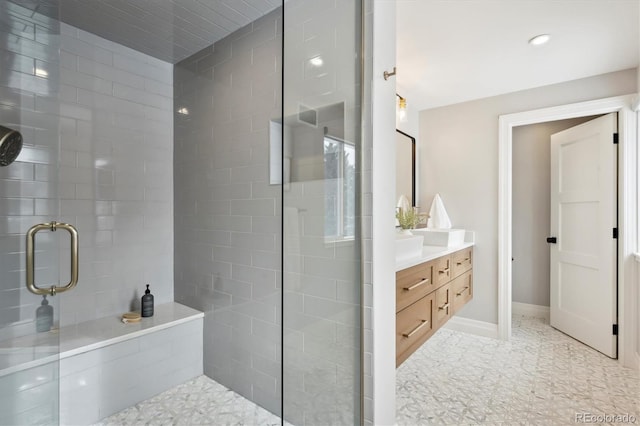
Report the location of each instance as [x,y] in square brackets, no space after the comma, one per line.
[529,310]
[479,328]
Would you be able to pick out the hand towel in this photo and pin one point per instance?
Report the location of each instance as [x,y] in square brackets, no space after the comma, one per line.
[438,217]
[403,203]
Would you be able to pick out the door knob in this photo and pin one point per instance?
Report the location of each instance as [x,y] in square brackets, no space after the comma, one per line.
[552,240]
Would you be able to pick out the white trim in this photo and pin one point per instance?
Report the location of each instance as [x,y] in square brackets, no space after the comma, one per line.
[529,310]
[380,390]
[627,199]
[471,326]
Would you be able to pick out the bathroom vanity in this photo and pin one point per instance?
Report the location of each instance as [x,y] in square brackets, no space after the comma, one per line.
[429,290]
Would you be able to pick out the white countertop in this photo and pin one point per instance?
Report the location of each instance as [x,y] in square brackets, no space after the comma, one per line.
[41,348]
[430,253]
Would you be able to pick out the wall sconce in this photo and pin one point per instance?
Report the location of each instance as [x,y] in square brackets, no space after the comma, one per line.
[402,109]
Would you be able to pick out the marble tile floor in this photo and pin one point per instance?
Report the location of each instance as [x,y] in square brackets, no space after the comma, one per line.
[540,377]
[200,401]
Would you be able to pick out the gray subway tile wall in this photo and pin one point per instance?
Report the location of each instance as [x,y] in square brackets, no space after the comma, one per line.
[118,162]
[98,154]
[227,224]
[322,272]
[29,187]
[116,146]
[367,217]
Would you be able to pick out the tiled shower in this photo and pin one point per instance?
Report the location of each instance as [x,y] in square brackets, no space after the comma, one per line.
[209,149]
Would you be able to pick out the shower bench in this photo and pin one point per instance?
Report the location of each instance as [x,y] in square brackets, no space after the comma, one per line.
[106,366]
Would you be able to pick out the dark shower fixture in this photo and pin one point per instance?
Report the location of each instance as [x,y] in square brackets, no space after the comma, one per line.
[10,145]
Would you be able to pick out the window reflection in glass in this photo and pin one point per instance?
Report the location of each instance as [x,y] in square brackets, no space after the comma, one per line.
[340,180]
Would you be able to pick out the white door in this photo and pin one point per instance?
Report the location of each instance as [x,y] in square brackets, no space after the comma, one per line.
[583,216]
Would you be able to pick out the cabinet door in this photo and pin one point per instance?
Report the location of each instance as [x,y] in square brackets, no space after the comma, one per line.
[462,289]
[461,262]
[442,270]
[443,307]
[414,325]
[412,284]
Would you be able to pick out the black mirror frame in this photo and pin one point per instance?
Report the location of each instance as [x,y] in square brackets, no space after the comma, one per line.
[413,166]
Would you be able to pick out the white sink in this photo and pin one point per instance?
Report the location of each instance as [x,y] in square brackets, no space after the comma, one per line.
[441,237]
[408,247]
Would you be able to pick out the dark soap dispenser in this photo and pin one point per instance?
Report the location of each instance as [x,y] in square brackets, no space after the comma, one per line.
[44,316]
[147,303]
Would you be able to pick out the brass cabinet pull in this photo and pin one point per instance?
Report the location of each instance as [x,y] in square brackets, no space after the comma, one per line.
[462,291]
[415,330]
[466,259]
[444,271]
[31,264]
[416,285]
[443,307]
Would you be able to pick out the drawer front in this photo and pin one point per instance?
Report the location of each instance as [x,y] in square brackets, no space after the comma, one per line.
[412,284]
[413,326]
[443,305]
[462,289]
[442,270]
[461,262]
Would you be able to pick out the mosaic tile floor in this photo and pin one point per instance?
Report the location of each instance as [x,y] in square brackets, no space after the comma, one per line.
[541,377]
[201,401]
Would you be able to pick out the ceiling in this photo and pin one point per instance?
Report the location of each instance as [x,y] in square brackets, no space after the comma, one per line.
[451,51]
[170,30]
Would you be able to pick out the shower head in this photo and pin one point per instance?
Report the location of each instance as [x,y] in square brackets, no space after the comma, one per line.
[10,145]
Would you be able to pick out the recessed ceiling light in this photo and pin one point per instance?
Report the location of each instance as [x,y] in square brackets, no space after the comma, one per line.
[540,39]
[183,111]
[317,61]
[41,73]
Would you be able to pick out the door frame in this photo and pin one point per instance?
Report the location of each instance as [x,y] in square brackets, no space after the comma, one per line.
[627,210]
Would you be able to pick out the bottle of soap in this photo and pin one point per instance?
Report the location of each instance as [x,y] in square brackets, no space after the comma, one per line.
[44,316]
[147,303]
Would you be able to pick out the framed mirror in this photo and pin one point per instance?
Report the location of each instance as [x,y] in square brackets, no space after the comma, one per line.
[406,166]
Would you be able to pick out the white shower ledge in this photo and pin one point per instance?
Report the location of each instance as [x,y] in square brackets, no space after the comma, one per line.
[38,349]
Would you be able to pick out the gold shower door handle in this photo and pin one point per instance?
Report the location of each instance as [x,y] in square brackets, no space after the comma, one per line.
[31,264]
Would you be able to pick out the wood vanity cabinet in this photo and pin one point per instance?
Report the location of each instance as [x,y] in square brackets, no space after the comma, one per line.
[427,295]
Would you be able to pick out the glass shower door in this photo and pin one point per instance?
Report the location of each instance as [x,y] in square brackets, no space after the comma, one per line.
[29,343]
[322,150]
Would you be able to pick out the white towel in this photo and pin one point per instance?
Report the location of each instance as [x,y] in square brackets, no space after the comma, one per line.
[438,217]
[403,203]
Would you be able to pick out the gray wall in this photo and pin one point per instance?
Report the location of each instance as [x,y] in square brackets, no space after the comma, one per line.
[115,173]
[466,136]
[227,215]
[323,283]
[97,155]
[531,209]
